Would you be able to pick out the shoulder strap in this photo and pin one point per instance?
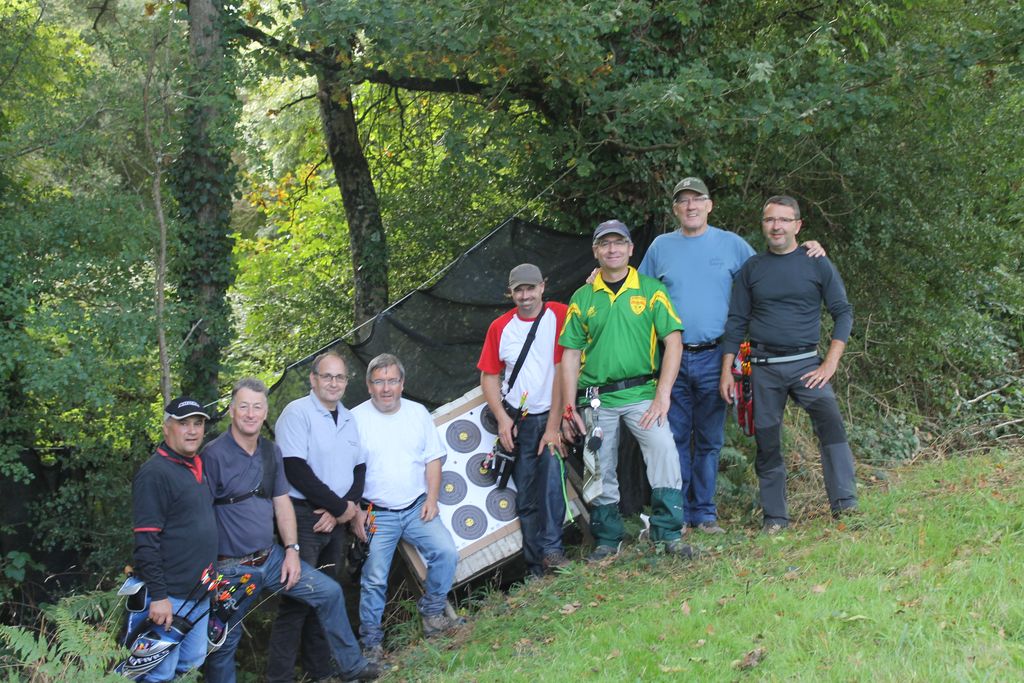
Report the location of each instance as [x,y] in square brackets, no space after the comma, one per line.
[266,487]
[526,346]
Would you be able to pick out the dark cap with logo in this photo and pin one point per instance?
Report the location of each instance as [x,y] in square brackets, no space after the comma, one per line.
[183,407]
[693,184]
[612,227]
[524,274]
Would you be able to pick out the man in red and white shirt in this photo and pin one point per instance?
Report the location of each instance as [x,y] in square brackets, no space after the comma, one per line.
[535,440]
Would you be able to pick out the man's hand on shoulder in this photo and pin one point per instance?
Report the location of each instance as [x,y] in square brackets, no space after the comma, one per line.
[814,248]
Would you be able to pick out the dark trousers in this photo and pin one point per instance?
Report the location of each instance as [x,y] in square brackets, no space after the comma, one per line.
[297,626]
[539,500]
[773,385]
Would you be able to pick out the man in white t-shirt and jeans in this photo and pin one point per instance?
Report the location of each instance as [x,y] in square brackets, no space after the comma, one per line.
[403,481]
[536,439]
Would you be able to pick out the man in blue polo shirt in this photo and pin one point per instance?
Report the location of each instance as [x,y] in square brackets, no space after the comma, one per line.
[325,467]
[246,503]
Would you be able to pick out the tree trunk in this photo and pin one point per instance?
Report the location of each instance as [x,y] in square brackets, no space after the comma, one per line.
[204,179]
[367,242]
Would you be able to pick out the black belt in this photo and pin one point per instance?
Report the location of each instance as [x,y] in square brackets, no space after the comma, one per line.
[407,507]
[706,346]
[782,350]
[256,559]
[619,386]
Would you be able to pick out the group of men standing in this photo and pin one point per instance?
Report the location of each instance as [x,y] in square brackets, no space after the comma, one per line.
[375,469]
[649,347]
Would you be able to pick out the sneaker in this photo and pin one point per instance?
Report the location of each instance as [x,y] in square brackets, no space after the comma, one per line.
[556,560]
[679,549]
[772,528]
[603,552]
[710,527]
[438,624]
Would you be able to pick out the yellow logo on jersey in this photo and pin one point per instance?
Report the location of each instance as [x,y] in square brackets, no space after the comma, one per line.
[638,304]
[592,311]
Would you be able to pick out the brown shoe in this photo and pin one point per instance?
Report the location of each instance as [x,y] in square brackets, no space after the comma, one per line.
[438,624]
[710,527]
[556,560]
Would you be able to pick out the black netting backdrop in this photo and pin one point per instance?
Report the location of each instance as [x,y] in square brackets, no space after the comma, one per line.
[438,332]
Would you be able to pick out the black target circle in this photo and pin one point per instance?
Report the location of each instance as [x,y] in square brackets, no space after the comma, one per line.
[463,436]
[478,473]
[453,488]
[501,504]
[488,421]
[469,522]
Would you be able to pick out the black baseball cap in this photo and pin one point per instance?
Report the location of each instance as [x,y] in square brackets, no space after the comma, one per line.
[183,407]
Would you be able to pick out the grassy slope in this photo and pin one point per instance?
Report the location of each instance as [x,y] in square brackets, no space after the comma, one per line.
[927,590]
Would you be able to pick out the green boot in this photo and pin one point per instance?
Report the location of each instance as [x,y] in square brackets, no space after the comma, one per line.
[606,525]
[666,514]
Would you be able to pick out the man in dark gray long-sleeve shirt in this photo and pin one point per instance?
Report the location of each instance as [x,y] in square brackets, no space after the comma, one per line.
[777,298]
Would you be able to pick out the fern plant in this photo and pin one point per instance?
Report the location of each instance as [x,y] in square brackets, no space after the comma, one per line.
[74,640]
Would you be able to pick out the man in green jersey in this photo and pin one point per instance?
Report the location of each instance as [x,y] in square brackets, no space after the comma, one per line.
[610,336]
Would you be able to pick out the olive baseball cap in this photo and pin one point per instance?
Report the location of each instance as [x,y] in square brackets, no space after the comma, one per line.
[693,184]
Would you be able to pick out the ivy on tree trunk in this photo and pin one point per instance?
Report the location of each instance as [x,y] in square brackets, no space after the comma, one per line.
[204,177]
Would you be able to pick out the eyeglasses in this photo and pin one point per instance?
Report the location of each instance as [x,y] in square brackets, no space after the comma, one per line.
[328,377]
[781,221]
[390,381]
[691,200]
[604,244]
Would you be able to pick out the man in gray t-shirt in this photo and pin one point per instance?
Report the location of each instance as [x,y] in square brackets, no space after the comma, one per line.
[247,502]
[777,298]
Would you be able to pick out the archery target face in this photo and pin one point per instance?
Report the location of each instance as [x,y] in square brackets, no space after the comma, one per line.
[470,505]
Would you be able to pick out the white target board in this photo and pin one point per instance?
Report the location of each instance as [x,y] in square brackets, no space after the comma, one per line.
[480,517]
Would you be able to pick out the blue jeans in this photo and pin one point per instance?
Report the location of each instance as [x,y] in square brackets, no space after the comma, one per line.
[539,501]
[315,589]
[697,417]
[434,543]
[190,651]
[297,626]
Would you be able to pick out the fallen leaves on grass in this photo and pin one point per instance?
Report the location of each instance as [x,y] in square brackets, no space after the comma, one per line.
[819,588]
[614,654]
[751,659]
[685,608]
[570,607]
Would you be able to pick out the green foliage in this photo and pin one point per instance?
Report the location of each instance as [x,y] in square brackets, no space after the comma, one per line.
[75,641]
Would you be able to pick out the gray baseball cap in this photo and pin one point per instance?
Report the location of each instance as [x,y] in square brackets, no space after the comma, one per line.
[524,274]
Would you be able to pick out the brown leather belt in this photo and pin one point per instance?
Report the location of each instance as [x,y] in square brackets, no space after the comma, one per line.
[255,559]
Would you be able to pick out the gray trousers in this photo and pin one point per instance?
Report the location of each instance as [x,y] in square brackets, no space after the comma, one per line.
[656,444]
[773,385]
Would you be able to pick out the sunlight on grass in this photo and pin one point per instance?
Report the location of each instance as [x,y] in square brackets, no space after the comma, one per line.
[925,588]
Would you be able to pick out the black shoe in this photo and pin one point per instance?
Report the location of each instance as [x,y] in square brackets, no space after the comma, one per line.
[370,672]
[679,549]
[603,552]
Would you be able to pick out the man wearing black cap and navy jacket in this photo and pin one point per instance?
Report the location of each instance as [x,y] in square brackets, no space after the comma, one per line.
[175,533]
